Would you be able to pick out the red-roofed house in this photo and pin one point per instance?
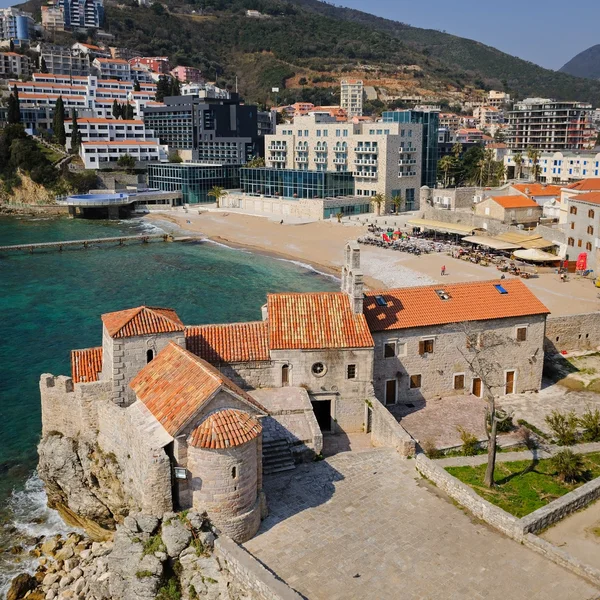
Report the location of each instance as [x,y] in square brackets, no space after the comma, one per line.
[516,209]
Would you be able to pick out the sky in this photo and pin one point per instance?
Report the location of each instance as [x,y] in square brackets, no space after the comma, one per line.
[546,33]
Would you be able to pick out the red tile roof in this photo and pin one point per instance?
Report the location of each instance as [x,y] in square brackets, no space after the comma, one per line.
[176,384]
[591,197]
[225,429]
[143,320]
[592,184]
[86,365]
[474,301]
[537,189]
[514,201]
[235,342]
[315,320]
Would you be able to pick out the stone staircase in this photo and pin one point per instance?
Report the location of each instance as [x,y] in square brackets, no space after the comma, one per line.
[277,456]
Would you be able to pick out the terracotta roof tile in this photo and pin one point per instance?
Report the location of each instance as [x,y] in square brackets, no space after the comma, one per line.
[590,197]
[176,384]
[225,429]
[592,184]
[514,201]
[143,320]
[537,189]
[234,342]
[315,320]
[473,301]
[86,365]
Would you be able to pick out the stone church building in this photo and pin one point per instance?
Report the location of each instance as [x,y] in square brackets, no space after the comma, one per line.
[193,415]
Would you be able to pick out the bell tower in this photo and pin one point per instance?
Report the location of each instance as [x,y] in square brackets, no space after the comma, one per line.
[352,277]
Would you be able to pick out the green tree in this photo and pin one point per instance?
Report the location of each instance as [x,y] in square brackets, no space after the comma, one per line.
[518,160]
[13,115]
[256,162]
[445,166]
[58,122]
[126,162]
[116,109]
[128,111]
[11,46]
[175,87]
[217,193]
[43,67]
[377,200]
[174,157]
[398,203]
[534,157]
[136,85]
[75,134]
[163,88]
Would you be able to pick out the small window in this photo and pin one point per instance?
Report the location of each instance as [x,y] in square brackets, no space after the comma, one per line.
[590,230]
[389,350]
[571,241]
[351,372]
[591,214]
[149,355]
[426,347]
[380,300]
[318,369]
[521,334]
[573,210]
[415,382]
[500,289]
[579,243]
[572,225]
[588,246]
[285,375]
[233,472]
[459,382]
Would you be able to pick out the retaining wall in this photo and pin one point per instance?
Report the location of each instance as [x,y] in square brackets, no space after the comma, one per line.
[387,432]
[253,576]
[572,332]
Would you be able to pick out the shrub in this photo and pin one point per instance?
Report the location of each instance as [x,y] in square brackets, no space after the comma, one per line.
[563,426]
[590,423]
[470,443]
[502,426]
[568,465]
[431,450]
[170,590]
[142,574]
[154,544]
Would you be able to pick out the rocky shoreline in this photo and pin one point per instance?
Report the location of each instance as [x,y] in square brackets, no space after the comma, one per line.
[167,559]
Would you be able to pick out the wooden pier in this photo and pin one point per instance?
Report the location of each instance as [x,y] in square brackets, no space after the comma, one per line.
[121,240]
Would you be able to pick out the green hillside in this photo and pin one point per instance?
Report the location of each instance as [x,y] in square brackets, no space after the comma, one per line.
[303,38]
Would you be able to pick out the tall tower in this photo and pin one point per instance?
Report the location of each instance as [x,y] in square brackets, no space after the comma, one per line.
[352,277]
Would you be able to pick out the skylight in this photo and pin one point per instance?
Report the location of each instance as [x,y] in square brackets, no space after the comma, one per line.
[500,289]
[380,301]
[443,294]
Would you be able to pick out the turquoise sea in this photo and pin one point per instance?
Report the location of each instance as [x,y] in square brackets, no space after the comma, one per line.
[51,302]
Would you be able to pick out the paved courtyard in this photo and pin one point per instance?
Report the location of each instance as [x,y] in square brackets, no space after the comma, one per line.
[365,526]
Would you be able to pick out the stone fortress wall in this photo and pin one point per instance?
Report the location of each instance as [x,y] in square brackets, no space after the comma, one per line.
[572,332]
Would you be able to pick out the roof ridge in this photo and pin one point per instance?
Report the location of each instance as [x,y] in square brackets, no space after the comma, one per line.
[440,284]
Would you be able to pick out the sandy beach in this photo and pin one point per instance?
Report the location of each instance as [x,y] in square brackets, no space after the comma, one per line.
[321,244]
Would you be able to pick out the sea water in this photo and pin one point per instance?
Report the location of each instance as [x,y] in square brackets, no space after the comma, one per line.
[51,302]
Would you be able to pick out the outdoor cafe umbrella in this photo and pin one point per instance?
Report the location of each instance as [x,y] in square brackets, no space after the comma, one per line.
[535,255]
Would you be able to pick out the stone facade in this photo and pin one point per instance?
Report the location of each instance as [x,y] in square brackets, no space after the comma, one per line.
[492,210]
[572,332]
[438,369]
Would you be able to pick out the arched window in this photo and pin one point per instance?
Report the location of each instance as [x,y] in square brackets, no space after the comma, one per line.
[285,375]
[149,355]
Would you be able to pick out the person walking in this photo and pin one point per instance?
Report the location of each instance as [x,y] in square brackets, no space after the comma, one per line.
[443,270]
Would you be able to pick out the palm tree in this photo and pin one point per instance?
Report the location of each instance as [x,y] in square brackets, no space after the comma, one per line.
[534,158]
[398,203]
[445,165]
[518,160]
[217,193]
[339,216]
[378,200]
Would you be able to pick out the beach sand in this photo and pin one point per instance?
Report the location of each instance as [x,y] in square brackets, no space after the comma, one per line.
[321,245]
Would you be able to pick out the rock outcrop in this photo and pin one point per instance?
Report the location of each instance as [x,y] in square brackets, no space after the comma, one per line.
[83,484]
[148,558]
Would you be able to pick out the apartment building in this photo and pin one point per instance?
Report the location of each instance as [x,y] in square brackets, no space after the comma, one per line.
[429,119]
[91,50]
[511,210]
[113,68]
[351,97]
[583,227]
[187,74]
[548,125]
[82,13]
[105,154]
[498,99]
[220,131]
[13,64]
[53,18]
[450,121]
[555,167]
[124,53]
[108,130]
[488,117]
[382,157]
[16,25]
[156,64]
[65,61]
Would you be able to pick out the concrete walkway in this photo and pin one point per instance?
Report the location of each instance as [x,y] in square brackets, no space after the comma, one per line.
[545,452]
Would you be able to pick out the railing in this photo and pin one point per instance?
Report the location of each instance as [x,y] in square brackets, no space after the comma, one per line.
[367,174]
[362,150]
[407,174]
[365,161]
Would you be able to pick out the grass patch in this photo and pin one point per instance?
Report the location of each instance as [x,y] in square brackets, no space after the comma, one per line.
[143,574]
[154,544]
[523,486]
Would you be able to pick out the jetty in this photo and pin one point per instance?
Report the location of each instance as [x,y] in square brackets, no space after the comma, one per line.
[121,240]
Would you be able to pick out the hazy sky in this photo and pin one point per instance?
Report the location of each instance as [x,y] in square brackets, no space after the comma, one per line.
[548,33]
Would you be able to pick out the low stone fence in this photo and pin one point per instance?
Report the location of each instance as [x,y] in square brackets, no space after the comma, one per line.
[572,332]
[387,432]
[522,530]
[261,582]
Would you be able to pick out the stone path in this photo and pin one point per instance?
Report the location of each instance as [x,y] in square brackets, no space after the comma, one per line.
[546,452]
[366,526]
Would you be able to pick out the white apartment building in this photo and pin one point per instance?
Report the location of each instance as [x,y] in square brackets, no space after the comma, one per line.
[113,68]
[108,130]
[53,18]
[104,154]
[556,167]
[488,117]
[351,97]
[64,61]
[16,25]
[12,64]
[382,157]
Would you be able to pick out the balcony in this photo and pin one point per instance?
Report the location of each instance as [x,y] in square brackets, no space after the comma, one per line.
[340,150]
[320,160]
[407,173]
[302,159]
[365,174]
[365,161]
[406,161]
[364,150]
[340,161]
[409,149]
[301,148]
[281,159]
[277,147]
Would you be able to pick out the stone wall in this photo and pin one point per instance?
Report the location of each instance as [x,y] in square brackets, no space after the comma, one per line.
[251,574]
[572,332]
[437,369]
[387,432]
[251,375]
[467,217]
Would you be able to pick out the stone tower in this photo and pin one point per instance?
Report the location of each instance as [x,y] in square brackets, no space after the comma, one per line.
[130,340]
[352,277]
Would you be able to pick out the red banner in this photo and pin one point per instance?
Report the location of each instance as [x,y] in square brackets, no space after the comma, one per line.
[582,262]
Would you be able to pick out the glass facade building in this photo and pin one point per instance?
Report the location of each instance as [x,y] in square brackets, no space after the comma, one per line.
[294,183]
[430,119]
[193,180]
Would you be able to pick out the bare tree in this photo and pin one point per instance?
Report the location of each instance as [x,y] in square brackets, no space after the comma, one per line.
[483,354]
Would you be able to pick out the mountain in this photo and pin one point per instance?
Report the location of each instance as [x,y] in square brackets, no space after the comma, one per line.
[585,64]
[306,46]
